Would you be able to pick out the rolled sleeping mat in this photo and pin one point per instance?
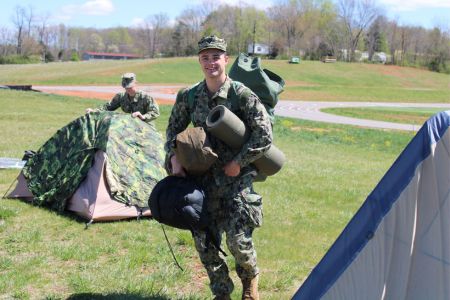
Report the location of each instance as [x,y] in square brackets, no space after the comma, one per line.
[271,162]
[227,127]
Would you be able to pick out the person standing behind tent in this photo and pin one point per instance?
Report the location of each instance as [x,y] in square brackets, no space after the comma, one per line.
[233,205]
[138,103]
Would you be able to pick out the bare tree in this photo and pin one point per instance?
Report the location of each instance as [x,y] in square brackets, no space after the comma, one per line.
[292,18]
[191,21]
[417,43]
[62,40]
[43,35]
[6,41]
[207,7]
[357,15]
[152,30]
[18,20]
[393,33]
[224,22]
[405,34]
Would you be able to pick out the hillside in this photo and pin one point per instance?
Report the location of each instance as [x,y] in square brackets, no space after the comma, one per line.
[309,80]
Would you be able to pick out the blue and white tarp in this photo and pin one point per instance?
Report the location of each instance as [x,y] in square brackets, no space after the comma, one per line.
[397,246]
[11,163]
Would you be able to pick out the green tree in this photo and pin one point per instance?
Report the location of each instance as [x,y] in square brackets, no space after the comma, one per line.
[117,40]
[240,26]
[96,42]
[375,40]
[74,56]
[438,50]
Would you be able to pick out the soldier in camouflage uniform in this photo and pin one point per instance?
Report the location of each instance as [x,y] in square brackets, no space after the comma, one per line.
[138,103]
[235,209]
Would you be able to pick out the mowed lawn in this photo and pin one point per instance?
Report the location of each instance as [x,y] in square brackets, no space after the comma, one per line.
[309,80]
[330,170]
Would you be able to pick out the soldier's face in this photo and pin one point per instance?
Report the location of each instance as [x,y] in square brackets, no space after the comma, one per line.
[213,62]
[131,91]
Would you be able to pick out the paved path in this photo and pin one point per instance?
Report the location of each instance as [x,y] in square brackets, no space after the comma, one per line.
[311,111]
[308,110]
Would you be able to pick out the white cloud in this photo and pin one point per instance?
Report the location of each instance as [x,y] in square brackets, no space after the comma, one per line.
[97,7]
[90,7]
[137,22]
[409,5]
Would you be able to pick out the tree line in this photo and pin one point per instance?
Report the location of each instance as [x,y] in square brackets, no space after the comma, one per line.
[310,29]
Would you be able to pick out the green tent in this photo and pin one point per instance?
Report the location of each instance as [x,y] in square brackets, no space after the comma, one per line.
[130,164]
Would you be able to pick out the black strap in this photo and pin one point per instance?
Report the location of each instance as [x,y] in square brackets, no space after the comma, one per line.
[167,239]
[170,247]
[211,240]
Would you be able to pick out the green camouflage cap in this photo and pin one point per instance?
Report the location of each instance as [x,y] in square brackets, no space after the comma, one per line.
[128,80]
[212,42]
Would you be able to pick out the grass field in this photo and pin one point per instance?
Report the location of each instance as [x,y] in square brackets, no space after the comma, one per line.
[309,80]
[44,255]
[329,172]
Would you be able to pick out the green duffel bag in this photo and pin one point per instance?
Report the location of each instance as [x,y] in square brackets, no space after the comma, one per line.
[264,83]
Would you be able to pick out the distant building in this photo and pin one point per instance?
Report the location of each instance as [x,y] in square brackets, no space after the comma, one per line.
[379,57]
[261,49]
[364,55]
[89,55]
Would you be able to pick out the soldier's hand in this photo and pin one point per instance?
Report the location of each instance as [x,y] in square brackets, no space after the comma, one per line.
[177,168]
[138,114]
[89,110]
[232,169]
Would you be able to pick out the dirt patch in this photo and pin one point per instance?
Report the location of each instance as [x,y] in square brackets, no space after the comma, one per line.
[168,91]
[82,94]
[391,70]
[105,96]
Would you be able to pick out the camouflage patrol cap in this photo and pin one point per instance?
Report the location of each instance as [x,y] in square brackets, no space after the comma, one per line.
[128,80]
[212,42]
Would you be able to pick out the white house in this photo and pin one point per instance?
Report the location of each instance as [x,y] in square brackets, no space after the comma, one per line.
[261,49]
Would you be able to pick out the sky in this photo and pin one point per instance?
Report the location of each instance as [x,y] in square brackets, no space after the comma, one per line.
[112,13]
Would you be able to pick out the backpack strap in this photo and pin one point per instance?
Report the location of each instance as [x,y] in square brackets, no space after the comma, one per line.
[233,95]
[191,97]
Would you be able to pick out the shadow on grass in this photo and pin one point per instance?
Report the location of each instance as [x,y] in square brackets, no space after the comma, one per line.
[72,215]
[120,296]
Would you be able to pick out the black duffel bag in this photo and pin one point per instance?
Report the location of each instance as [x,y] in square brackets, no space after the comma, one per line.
[179,202]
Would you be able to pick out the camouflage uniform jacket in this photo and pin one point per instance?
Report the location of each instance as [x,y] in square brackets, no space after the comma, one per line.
[249,109]
[141,102]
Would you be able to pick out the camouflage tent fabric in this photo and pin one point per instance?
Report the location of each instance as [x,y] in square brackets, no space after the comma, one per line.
[135,159]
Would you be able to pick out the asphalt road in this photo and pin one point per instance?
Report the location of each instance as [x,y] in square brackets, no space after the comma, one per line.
[308,110]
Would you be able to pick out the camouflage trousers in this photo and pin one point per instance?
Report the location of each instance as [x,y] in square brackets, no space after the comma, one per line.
[235,211]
